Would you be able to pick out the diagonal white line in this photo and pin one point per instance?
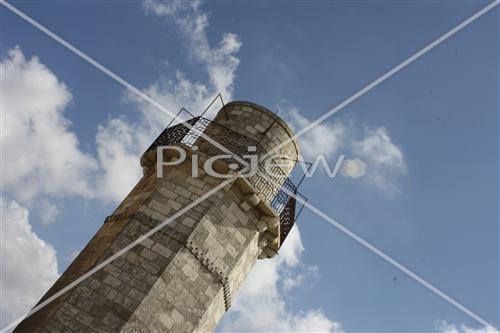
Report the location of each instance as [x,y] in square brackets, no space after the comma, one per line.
[85,57]
[330,220]
[151,101]
[386,76]
[115,76]
[118,254]
[389,259]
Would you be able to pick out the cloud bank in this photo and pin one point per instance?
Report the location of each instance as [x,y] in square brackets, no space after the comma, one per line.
[261,306]
[41,154]
[29,265]
[41,162]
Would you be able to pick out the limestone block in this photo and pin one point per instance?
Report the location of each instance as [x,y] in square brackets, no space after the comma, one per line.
[261,226]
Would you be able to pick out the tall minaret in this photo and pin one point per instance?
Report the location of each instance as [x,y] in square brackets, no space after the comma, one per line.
[183,277]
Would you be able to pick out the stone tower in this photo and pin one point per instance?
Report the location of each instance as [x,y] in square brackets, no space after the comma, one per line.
[182,278]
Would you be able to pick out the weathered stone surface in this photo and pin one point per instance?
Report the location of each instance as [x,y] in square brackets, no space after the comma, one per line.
[182,278]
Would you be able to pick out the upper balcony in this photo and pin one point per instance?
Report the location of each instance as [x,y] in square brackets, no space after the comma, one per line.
[271,181]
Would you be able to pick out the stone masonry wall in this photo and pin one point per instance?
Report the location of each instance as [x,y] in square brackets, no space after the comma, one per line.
[262,125]
[181,279]
[106,300]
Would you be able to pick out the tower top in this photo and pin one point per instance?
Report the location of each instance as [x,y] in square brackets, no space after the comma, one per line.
[261,125]
[253,108]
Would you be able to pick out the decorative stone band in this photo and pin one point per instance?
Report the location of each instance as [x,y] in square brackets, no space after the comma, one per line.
[214,269]
[211,266]
[227,294]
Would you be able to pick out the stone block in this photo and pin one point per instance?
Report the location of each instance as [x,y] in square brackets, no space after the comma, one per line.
[162,250]
[188,222]
[245,206]
[112,281]
[112,321]
[84,318]
[135,294]
[166,320]
[148,254]
[175,205]
[159,207]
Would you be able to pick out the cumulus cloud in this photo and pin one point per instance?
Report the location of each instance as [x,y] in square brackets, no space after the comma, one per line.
[29,265]
[220,61]
[444,327]
[296,278]
[378,148]
[48,212]
[41,155]
[192,22]
[324,139]
[384,159]
[119,146]
[261,297]
[121,142]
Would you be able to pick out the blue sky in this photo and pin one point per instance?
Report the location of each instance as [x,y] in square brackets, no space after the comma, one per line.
[428,137]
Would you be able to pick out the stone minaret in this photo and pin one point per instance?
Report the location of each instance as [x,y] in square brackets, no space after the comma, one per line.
[182,278]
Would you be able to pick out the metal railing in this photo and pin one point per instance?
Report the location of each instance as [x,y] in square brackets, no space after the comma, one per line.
[283,203]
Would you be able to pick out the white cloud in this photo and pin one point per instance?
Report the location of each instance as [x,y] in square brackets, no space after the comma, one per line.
[119,146]
[260,304]
[378,148]
[29,265]
[292,249]
[40,153]
[121,142]
[444,327]
[383,158]
[220,61]
[293,278]
[48,212]
[323,139]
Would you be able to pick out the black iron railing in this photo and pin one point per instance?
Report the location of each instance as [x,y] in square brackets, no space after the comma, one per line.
[273,184]
[173,134]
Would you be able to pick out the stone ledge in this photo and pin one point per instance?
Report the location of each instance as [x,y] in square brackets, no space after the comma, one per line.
[268,215]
